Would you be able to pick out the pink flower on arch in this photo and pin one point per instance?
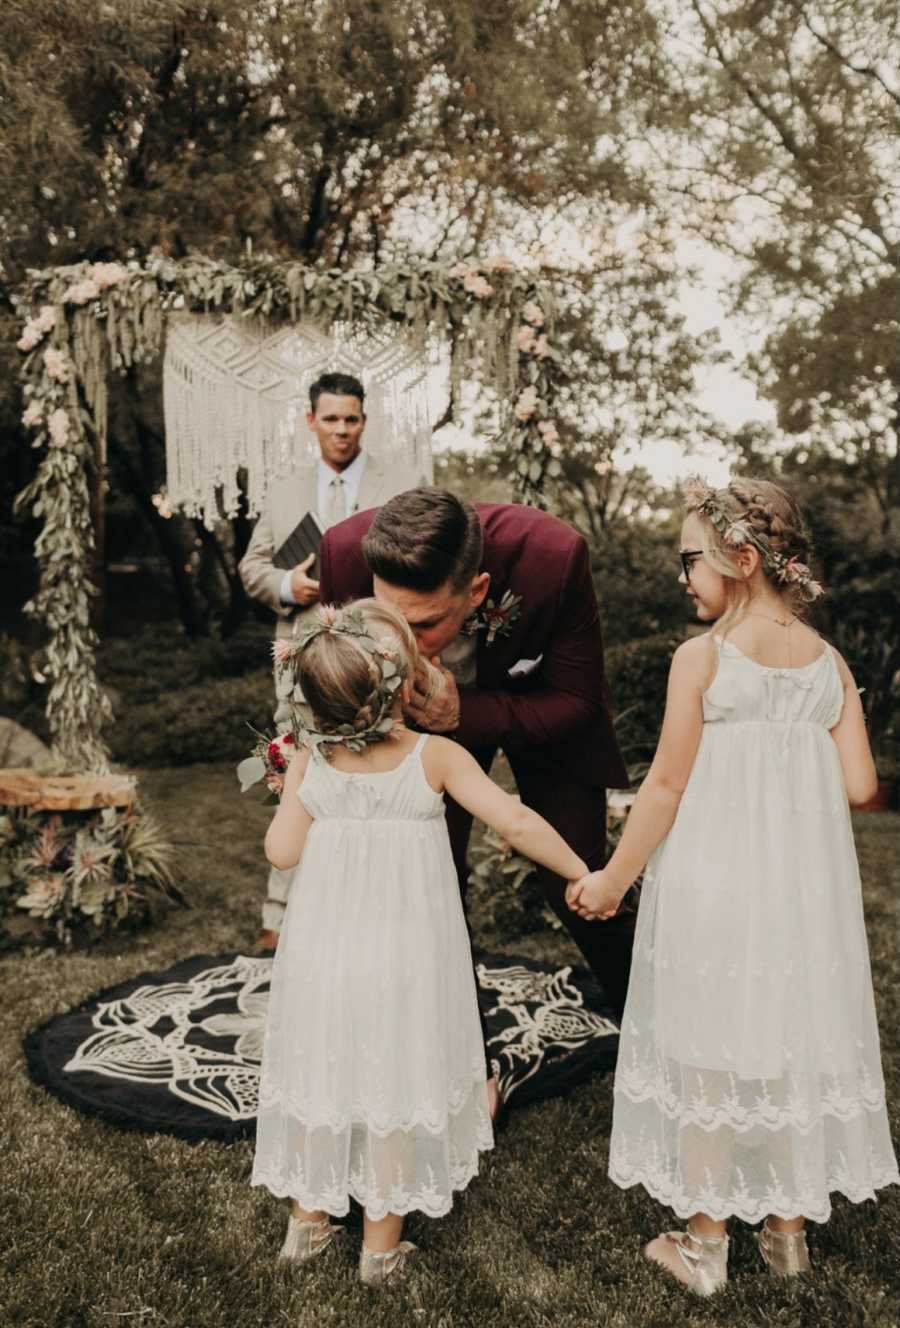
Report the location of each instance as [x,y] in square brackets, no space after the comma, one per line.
[30,337]
[525,338]
[533,314]
[56,362]
[526,406]
[33,415]
[80,292]
[548,431]
[58,425]
[542,347]
[108,274]
[477,285]
[46,319]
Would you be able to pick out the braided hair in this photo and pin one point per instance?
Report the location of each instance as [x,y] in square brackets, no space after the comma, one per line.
[757,512]
[343,681]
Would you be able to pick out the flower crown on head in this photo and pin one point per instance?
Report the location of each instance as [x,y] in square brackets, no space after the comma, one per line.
[341,622]
[736,531]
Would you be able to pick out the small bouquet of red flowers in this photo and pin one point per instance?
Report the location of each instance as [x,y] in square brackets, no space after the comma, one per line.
[268,762]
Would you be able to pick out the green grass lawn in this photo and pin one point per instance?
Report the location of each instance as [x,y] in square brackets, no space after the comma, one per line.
[104,1228]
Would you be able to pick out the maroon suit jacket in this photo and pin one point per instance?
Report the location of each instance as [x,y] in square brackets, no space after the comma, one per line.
[557,718]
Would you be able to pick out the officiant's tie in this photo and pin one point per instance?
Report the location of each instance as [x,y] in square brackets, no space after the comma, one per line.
[335,502]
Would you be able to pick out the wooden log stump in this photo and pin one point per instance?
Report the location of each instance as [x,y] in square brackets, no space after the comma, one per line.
[21,787]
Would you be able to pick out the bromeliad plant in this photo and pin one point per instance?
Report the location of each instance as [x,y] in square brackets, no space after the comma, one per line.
[71,876]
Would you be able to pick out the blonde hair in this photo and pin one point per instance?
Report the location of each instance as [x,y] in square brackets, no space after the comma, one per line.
[342,682]
[767,512]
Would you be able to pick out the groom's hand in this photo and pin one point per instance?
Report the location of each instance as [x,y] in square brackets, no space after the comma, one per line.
[434,702]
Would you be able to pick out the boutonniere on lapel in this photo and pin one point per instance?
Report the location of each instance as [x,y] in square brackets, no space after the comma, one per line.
[494,619]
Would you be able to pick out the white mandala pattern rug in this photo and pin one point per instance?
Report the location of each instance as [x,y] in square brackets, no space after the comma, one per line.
[179,1051]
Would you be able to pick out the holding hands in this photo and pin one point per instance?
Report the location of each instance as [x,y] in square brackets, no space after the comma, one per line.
[594,896]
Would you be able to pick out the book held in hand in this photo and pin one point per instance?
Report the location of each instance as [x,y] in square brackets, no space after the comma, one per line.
[303,540]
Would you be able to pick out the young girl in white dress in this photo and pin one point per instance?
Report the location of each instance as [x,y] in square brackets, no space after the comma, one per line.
[373,1082]
[749,1079]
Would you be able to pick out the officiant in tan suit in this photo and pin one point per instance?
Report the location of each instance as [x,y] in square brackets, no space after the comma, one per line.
[343,480]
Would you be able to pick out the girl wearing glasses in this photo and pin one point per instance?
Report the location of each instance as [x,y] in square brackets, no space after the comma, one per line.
[749,1079]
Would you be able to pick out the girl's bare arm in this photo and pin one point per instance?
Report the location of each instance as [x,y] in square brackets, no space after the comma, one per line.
[852,741]
[465,781]
[287,833]
[653,812]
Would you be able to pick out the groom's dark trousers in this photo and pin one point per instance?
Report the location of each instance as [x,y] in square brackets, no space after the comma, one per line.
[578,811]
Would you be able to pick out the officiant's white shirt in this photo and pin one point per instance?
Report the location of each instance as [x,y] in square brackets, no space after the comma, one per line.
[352,478]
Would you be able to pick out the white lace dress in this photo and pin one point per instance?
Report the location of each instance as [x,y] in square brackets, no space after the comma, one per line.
[373,1074]
[749,1077]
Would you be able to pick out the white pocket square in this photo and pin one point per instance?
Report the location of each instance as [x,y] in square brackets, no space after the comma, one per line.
[523,667]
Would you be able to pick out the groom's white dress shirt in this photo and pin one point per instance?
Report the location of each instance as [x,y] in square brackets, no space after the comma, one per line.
[460,657]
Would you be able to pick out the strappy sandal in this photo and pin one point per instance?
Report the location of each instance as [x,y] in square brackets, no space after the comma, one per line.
[784,1252]
[305,1239]
[704,1258]
[376,1268]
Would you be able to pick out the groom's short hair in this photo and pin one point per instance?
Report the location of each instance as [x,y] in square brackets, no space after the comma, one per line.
[424,538]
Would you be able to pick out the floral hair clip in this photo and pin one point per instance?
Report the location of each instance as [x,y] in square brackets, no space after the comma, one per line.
[735,531]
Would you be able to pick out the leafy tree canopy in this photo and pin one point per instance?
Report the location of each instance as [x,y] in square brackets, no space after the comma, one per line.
[784,121]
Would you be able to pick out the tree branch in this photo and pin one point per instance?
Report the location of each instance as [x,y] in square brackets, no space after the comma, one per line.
[867,71]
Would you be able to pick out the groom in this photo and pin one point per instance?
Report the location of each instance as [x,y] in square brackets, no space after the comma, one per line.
[500,598]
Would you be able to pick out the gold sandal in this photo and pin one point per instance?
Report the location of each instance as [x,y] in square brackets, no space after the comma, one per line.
[376,1268]
[305,1239]
[705,1259]
[784,1252]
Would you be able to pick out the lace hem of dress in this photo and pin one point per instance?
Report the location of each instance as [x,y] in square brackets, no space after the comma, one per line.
[776,1202]
[433,1119]
[735,1116]
[427,1198]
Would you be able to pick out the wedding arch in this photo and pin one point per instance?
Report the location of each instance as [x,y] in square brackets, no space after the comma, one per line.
[87,322]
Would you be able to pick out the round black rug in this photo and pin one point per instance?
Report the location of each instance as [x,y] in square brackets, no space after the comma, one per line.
[179,1051]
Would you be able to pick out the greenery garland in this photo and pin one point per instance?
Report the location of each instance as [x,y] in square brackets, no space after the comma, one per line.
[89,320]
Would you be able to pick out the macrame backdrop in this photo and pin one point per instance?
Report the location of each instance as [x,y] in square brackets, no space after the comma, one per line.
[236,393]
[244,341]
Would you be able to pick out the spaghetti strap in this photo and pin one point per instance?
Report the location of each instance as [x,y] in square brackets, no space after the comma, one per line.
[420,743]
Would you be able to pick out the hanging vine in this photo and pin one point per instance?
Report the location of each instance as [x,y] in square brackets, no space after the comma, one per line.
[91,320]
